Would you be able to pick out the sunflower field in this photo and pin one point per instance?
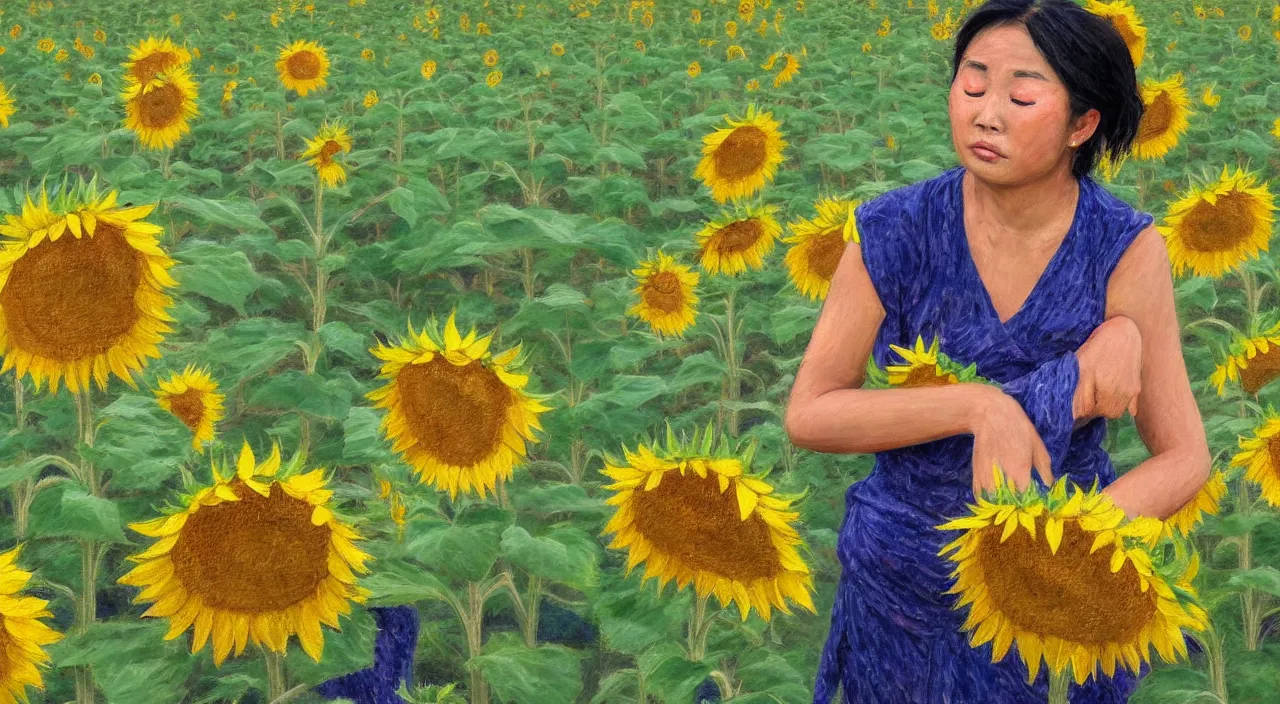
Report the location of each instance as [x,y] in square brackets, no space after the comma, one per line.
[349,347]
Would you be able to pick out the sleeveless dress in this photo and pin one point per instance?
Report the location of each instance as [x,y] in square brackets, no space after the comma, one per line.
[895,637]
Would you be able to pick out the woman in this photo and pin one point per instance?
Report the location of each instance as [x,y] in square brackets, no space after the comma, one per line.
[1059,292]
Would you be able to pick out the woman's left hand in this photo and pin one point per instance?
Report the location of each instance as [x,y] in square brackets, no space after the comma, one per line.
[1110,370]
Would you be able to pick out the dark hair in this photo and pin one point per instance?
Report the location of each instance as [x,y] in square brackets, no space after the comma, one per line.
[1090,56]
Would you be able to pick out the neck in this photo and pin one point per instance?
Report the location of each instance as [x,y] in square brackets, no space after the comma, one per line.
[1023,210]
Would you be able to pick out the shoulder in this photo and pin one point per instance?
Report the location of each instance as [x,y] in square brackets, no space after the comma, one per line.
[909,200]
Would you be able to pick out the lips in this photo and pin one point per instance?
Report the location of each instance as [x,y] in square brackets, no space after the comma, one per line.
[987,146]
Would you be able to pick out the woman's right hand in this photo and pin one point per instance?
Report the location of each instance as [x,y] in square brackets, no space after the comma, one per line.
[1003,435]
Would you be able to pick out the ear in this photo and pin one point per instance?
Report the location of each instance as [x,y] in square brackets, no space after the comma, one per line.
[1085,125]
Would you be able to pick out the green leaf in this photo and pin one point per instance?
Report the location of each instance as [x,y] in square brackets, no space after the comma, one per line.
[241,215]
[131,660]
[309,393]
[1265,578]
[339,336]
[466,552]
[69,510]
[670,675]
[362,441]
[787,323]
[914,170]
[14,473]
[547,674]
[546,499]
[401,201]
[563,554]
[216,272]
[618,154]
[562,296]
[396,583]
[1198,291]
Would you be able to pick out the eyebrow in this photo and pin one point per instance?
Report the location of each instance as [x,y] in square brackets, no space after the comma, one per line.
[1018,73]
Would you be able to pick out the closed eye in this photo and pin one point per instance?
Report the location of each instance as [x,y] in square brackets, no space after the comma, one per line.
[1015,101]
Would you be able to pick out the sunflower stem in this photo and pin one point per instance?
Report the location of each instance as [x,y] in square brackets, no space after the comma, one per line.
[318,240]
[731,359]
[1058,686]
[1251,298]
[87,605]
[699,627]
[279,136]
[275,674]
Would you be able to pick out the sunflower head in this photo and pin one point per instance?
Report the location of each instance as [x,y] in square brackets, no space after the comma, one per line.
[1166,107]
[929,367]
[257,556]
[1208,500]
[691,514]
[739,159]
[152,56]
[82,288]
[666,294]
[1217,227]
[21,631]
[1125,19]
[303,67]
[1260,455]
[818,244]
[192,397]
[6,106]
[158,110]
[460,416]
[735,242]
[321,150]
[1029,563]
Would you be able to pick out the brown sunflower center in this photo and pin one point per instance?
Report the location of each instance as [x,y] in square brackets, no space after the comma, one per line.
[161,106]
[926,375]
[1121,23]
[742,153]
[252,555]
[737,236]
[328,150]
[188,406]
[1058,595]
[663,292]
[1156,118]
[1262,370]
[824,252]
[456,414]
[74,298]
[1220,226]
[148,66]
[689,518]
[303,65]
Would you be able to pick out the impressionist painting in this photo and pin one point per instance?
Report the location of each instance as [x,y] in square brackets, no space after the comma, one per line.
[639,352]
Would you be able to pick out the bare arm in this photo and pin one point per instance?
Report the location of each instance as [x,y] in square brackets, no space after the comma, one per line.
[829,412]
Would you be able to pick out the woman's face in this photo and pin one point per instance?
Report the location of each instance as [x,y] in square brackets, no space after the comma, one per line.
[1007,95]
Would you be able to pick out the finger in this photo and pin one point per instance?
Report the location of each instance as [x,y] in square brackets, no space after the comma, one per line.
[1043,462]
[1133,406]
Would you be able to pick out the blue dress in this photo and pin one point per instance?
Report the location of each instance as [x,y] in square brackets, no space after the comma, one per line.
[895,637]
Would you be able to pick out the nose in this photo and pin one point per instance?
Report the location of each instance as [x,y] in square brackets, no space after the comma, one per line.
[988,117]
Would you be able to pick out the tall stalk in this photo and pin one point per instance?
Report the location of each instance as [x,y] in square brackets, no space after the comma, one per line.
[87,606]
[275,674]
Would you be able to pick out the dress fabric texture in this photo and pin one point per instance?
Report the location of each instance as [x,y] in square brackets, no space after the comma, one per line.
[895,637]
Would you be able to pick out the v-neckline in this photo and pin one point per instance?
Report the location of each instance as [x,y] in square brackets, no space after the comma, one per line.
[1049,269]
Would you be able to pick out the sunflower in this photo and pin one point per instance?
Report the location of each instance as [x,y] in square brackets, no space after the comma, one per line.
[46,45]
[157,111]
[737,161]
[1207,500]
[370,99]
[252,557]
[732,243]
[1214,229]
[328,142]
[692,515]
[303,66]
[557,49]
[1259,454]
[94,79]
[458,414]
[6,106]
[666,293]
[789,69]
[493,79]
[491,58]
[817,245]
[1164,118]
[428,69]
[192,396]
[366,54]
[753,84]
[99,36]
[82,289]
[152,56]
[1031,591]
[1125,19]
[1254,362]
[694,69]
[23,632]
